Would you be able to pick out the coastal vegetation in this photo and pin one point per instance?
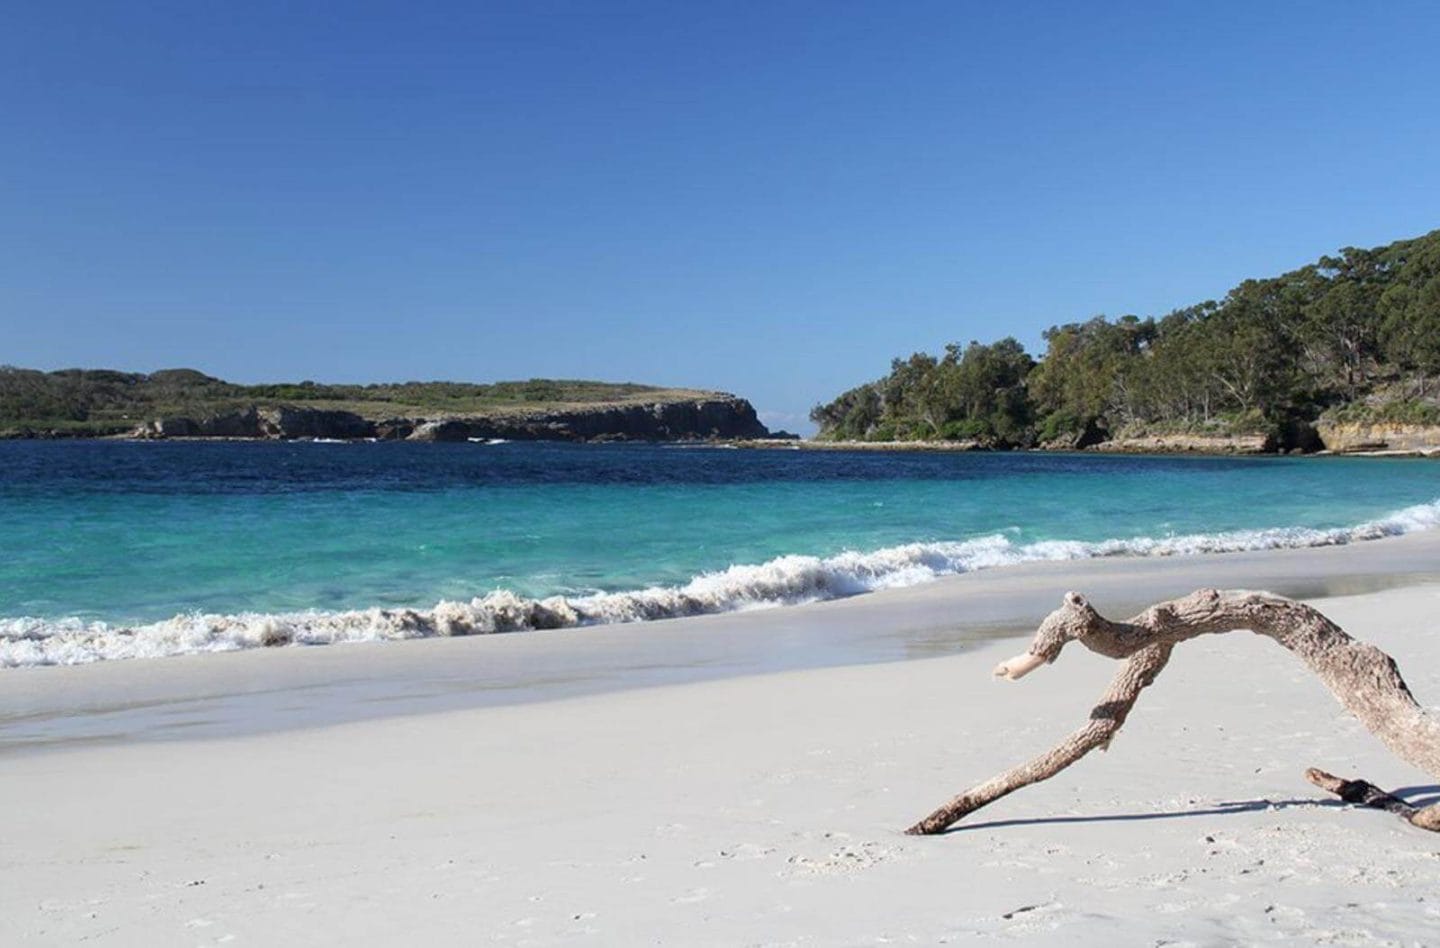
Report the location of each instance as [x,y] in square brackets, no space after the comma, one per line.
[1352,338]
[94,402]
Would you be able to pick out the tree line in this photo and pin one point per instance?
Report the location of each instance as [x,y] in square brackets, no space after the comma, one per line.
[1355,336]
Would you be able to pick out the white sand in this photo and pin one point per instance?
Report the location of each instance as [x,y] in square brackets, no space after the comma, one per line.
[754,810]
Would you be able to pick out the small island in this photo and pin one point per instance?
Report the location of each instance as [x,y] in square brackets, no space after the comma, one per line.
[184,403]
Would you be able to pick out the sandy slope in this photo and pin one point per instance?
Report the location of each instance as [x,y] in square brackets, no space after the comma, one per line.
[753,810]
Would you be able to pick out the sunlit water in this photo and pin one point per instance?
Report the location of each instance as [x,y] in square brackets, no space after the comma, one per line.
[119,549]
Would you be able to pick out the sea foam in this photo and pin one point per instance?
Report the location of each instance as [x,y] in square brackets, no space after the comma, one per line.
[786,580]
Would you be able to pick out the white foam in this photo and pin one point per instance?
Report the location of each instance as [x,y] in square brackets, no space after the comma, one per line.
[787,580]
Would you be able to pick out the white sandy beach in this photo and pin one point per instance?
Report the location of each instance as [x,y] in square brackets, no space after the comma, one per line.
[760,804]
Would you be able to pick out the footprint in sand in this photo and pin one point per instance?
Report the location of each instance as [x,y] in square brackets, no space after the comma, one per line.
[852,857]
[1028,919]
[741,853]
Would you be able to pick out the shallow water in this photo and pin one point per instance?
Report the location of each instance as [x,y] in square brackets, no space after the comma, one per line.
[118,549]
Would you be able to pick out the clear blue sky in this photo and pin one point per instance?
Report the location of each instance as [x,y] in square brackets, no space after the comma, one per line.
[768,198]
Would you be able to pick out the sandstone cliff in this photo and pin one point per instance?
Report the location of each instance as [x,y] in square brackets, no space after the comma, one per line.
[1353,438]
[1189,444]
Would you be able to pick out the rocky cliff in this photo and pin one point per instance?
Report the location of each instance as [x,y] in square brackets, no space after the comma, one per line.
[720,416]
[281,422]
[1189,444]
[1352,438]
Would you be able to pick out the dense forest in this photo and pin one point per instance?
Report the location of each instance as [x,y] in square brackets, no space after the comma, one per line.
[1352,337]
[101,401]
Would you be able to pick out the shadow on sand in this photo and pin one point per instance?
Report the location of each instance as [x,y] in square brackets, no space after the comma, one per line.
[1223,809]
[1418,796]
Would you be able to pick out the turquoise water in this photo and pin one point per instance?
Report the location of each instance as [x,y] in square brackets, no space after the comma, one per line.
[104,539]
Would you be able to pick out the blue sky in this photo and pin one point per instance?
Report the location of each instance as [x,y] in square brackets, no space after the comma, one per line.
[768,198]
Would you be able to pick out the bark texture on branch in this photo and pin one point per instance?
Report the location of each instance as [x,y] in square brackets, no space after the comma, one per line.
[1363,678]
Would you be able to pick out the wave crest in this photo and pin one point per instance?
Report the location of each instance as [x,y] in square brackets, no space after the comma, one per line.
[786,580]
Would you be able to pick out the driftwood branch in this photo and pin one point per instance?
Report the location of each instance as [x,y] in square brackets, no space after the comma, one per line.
[1364,679]
[1365,793]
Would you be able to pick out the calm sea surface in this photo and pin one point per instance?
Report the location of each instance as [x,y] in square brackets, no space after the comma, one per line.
[99,537]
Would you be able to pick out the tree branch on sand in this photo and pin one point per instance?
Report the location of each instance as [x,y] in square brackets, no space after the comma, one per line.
[1362,677]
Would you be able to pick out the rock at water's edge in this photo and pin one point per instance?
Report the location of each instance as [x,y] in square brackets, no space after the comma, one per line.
[1349,438]
[700,419]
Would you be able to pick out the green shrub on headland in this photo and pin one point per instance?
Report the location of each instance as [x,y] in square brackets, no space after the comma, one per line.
[1354,337]
[1406,411]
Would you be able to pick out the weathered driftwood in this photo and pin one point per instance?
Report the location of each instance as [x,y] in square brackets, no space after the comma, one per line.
[1364,679]
[1366,793]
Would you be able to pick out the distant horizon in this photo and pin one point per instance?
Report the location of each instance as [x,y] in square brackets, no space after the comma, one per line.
[772,201]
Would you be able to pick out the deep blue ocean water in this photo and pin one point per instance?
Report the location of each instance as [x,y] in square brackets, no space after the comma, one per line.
[113,549]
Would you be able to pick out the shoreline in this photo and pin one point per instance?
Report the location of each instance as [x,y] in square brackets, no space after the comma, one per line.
[782,582]
[759,810]
[262,690]
[1152,448]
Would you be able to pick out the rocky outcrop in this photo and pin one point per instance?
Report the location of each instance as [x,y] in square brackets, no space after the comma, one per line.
[1360,438]
[1190,444]
[878,446]
[279,423]
[724,417]
[450,429]
[239,424]
[1091,435]
[394,429]
[289,423]
[720,417]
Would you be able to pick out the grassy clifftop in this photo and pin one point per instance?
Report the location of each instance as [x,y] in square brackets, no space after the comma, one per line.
[103,402]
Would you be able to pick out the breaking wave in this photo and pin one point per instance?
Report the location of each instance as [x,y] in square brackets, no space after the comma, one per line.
[786,580]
